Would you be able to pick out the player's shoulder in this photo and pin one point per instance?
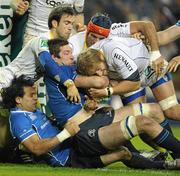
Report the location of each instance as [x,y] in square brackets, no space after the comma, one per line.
[40,43]
[78,36]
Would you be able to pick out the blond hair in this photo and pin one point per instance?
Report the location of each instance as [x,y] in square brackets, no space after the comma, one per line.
[88,61]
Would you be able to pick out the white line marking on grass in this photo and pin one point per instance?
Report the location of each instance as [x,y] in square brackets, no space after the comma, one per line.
[159,172]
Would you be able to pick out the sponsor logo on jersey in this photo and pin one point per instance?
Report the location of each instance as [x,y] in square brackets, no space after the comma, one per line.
[91,132]
[115,26]
[44,125]
[54,3]
[124,60]
[43,43]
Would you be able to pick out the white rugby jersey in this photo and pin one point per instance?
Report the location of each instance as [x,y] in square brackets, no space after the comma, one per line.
[124,56]
[26,62]
[78,41]
[39,11]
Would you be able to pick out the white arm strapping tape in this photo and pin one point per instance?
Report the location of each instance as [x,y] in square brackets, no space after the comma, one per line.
[154,55]
[63,135]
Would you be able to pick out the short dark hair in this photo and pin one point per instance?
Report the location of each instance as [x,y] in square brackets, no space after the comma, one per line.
[54,45]
[102,20]
[16,89]
[57,13]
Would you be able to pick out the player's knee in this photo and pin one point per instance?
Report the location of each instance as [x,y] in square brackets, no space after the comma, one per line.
[128,127]
[168,103]
[152,110]
[173,112]
[144,123]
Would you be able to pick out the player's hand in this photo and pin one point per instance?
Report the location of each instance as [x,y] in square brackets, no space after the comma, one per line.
[97,93]
[173,64]
[72,127]
[21,7]
[138,35]
[91,104]
[159,65]
[80,27]
[73,94]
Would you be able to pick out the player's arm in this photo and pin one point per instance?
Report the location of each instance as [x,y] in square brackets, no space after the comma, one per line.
[91,81]
[79,20]
[127,70]
[169,35]
[125,86]
[173,64]
[53,70]
[121,87]
[148,29]
[20,6]
[39,146]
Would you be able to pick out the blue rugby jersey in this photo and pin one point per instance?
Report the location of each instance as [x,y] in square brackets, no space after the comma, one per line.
[60,106]
[24,124]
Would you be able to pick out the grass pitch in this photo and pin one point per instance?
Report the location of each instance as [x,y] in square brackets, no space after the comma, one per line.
[114,169]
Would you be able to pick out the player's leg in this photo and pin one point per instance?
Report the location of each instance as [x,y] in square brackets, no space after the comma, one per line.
[151,110]
[115,134]
[164,93]
[132,160]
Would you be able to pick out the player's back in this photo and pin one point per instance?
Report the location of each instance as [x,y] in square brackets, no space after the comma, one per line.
[126,48]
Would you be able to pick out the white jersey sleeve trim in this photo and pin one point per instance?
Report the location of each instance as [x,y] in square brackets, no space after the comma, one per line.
[28,137]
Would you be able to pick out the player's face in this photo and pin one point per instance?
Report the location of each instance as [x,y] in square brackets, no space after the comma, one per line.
[66,57]
[92,38]
[101,69]
[29,100]
[65,26]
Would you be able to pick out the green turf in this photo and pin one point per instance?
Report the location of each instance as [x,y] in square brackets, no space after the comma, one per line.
[114,169]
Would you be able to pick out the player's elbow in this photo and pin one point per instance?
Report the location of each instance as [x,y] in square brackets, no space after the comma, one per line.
[147,26]
[38,151]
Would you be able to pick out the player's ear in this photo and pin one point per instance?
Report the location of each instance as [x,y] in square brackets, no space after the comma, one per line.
[18,100]
[54,23]
[54,57]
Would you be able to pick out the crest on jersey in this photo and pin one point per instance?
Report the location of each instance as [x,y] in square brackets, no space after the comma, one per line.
[44,43]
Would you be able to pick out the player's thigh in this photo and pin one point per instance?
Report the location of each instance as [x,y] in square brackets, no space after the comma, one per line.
[125,111]
[163,91]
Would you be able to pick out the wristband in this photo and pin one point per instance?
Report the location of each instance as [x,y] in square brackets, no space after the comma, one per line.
[178,23]
[63,135]
[109,91]
[68,83]
[154,55]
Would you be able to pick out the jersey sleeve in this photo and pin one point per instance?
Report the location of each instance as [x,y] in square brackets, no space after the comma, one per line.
[124,65]
[21,127]
[39,44]
[120,30]
[51,68]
